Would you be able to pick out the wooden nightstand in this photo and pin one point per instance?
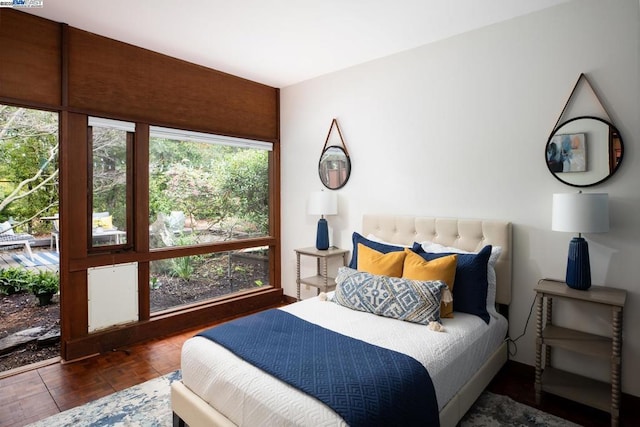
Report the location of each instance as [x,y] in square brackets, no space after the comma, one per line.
[598,394]
[321,280]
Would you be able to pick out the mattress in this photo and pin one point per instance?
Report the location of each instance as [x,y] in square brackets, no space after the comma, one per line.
[249,396]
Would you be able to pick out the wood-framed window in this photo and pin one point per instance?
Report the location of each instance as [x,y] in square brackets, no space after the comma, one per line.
[111,207]
[206,190]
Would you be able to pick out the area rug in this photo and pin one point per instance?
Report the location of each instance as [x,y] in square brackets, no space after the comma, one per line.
[39,258]
[492,410]
[148,404]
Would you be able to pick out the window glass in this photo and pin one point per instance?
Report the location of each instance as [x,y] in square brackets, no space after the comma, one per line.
[110,142]
[28,169]
[206,188]
[186,280]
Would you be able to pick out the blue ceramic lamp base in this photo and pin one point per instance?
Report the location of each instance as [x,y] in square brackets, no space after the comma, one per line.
[578,267]
[322,236]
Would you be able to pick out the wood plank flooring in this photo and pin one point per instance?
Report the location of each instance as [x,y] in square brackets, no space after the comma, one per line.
[36,394]
[7,261]
[516,380]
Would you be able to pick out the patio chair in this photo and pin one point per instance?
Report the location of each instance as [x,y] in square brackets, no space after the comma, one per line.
[12,240]
[55,234]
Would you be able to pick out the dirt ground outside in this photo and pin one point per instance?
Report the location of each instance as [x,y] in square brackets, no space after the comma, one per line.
[19,312]
[208,279]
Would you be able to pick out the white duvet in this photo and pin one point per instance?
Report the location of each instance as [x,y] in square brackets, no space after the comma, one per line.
[249,397]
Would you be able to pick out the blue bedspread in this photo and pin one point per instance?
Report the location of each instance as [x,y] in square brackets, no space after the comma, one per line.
[365,384]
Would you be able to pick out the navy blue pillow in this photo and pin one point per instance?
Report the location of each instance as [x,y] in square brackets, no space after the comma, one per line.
[380,247]
[470,285]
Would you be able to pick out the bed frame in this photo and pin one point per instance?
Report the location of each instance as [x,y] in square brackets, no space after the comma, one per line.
[466,234]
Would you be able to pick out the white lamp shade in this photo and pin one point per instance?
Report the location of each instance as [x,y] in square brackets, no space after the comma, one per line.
[580,212]
[323,203]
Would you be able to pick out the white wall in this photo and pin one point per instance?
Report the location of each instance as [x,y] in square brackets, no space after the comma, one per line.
[459,128]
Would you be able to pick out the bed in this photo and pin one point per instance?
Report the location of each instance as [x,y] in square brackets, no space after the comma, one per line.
[219,388]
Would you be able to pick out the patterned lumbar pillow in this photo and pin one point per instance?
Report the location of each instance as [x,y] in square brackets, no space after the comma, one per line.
[410,300]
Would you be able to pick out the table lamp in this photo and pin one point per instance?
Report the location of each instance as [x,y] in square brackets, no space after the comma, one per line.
[580,213]
[323,203]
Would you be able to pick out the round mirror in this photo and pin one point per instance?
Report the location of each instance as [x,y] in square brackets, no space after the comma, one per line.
[584,151]
[334,167]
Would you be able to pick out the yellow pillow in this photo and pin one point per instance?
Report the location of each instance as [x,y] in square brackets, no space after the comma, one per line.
[105,222]
[444,268]
[375,262]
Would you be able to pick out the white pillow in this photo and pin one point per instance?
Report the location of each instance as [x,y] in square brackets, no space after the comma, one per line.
[377,239]
[5,229]
[491,271]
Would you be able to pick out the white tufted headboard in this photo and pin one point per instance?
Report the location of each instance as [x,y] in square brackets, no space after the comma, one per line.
[466,234]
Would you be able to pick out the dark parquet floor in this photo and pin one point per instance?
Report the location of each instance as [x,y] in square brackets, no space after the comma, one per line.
[45,390]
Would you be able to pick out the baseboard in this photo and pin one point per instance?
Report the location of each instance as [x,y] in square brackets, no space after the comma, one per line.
[289,299]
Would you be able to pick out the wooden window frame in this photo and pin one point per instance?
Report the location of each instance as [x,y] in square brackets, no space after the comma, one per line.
[129,197]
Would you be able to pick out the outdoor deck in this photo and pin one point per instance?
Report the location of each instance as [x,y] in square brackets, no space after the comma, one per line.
[7,260]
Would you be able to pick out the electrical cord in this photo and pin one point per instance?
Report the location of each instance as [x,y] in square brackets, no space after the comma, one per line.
[513,341]
[510,340]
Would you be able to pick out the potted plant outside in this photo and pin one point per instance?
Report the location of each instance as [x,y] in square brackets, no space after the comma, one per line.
[44,286]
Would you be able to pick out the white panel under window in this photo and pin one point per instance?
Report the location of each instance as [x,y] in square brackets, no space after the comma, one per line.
[113,295]
[112,124]
[209,138]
